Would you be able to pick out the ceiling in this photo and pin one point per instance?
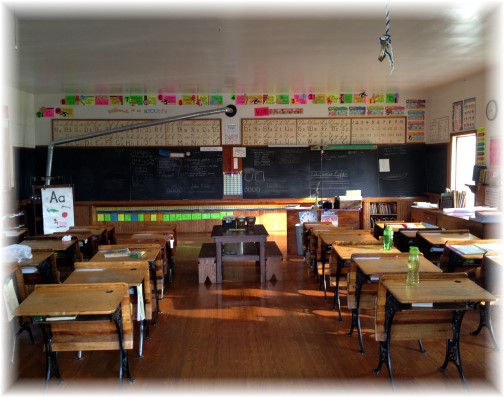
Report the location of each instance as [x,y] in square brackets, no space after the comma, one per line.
[249,47]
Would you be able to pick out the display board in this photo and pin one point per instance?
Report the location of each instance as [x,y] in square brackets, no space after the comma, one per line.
[195,132]
[141,173]
[276,173]
[324,131]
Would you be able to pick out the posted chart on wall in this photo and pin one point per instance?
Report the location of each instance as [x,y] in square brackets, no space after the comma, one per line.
[57,209]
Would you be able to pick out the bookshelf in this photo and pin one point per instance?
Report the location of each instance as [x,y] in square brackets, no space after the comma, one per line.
[382,211]
[386,209]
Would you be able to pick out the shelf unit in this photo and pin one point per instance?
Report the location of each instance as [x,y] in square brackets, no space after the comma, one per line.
[382,211]
[386,209]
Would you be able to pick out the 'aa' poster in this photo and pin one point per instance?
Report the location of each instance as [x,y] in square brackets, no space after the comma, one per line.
[57,209]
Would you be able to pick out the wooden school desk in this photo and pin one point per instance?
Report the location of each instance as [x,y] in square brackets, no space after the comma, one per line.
[379,226]
[407,237]
[458,255]
[431,242]
[436,307]
[310,235]
[342,254]
[13,235]
[167,242]
[85,241]
[41,268]
[99,235]
[134,276]
[490,278]
[66,252]
[344,237]
[366,269]
[152,254]
[256,234]
[81,317]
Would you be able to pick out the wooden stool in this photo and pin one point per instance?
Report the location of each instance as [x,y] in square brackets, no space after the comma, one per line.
[207,267]
[274,261]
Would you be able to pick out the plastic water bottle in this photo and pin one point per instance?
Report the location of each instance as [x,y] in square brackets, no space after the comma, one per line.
[388,238]
[412,278]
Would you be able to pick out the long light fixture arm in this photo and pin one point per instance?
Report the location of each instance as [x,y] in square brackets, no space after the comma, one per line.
[229,110]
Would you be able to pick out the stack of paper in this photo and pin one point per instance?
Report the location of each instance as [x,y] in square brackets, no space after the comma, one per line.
[116,253]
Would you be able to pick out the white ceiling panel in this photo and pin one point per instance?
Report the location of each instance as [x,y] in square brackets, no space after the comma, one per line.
[254,47]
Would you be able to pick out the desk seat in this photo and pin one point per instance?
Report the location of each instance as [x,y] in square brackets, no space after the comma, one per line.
[92,335]
[122,272]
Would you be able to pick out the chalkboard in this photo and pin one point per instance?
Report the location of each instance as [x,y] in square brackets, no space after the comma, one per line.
[296,172]
[436,167]
[140,174]
[122,174]
[407,175]
[336,171]
[276,172]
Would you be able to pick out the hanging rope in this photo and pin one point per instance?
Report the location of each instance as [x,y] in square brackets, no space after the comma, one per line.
[386,43]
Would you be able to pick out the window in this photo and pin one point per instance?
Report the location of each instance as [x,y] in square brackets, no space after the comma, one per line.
[463,158]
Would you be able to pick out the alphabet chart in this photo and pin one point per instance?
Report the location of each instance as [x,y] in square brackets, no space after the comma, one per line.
[57,209]
[195,132]
[324,131]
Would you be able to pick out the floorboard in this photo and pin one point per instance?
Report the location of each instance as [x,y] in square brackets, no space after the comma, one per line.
[280,336]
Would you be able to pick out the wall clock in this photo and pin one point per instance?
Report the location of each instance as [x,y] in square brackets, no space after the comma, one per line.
[491,109]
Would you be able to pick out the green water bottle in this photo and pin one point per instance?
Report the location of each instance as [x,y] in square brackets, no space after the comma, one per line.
[412,277]
[388,238]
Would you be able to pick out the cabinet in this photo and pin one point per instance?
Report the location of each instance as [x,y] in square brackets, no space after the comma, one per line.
[386,209]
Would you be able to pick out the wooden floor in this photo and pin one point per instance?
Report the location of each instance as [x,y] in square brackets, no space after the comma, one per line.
[244,336]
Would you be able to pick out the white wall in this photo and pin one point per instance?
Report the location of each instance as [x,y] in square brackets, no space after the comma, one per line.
[483,87]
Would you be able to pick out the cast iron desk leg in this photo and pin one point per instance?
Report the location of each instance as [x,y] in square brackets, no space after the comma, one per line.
[390,309]
[124,367]
[339,264]
[360,279]
[453,345]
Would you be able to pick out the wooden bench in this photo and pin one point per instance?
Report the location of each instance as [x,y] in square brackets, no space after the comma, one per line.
[207,262]
[274,261]
[207,266]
